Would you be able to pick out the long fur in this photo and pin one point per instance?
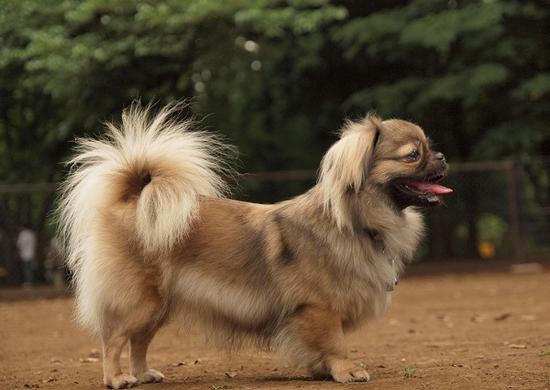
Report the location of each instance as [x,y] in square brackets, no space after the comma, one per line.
[161,164]
[149,234]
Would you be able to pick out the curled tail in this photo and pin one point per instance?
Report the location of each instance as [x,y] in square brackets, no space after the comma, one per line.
[152,165]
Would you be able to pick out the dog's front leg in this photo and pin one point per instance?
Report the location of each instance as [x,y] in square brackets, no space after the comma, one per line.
[318,333]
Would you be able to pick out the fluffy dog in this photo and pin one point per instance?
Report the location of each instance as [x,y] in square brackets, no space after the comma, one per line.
[150,234]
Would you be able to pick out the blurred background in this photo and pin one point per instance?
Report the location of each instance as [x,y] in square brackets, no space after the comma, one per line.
[277,79]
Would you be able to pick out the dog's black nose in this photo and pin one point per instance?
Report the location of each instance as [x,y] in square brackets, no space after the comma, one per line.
[440,156]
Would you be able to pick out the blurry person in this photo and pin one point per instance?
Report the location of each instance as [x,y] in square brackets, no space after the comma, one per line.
[26,246]
[3,270]
[54,264]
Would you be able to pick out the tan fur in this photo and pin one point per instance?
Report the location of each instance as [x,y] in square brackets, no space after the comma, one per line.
[150,236]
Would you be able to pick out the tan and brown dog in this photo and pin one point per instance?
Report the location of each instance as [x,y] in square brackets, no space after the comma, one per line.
[150,234]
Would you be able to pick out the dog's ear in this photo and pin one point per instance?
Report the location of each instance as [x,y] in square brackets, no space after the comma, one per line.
[350,159]
[347,163]
[375,124]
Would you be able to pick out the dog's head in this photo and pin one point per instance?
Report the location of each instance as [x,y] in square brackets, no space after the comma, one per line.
[391,159]
[404,164]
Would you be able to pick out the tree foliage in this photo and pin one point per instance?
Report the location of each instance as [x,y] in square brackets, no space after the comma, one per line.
[276,77]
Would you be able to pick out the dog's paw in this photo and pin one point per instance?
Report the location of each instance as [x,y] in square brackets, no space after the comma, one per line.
[151,376]
[353,375]
[121,381]
[345,371]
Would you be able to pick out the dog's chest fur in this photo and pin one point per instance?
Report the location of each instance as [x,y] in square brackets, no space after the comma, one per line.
[353,272]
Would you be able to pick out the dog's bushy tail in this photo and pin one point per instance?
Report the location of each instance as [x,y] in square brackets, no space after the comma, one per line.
[152,165]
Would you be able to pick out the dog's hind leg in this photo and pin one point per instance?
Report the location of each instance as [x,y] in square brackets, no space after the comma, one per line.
[138,326]
[113,342]
[139,343]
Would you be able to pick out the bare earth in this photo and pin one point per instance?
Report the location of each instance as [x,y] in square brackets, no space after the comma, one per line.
[476,331]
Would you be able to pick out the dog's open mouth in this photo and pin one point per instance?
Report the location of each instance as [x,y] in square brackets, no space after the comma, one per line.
[426,193]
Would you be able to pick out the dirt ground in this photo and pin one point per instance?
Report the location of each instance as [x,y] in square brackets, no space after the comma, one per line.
[469,331]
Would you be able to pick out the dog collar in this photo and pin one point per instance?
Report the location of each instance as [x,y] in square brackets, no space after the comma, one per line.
[377,239]
[393,284]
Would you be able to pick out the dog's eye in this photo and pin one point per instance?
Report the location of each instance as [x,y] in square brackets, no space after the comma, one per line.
[413,156]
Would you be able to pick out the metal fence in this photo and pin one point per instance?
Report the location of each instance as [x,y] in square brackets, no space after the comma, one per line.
[499,210]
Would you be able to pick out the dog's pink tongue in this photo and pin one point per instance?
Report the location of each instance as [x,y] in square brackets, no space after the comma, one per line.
[430,187]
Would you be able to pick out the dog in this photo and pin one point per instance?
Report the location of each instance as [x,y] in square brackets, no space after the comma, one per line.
[150,234]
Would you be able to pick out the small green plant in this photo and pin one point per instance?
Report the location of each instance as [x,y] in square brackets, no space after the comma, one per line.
[545,353]
[409,372]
